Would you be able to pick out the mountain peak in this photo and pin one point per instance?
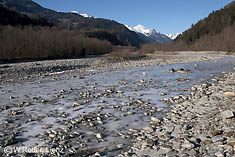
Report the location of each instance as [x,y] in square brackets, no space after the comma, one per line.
[149,35]
[141,29]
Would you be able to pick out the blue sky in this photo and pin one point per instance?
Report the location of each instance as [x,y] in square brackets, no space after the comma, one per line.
[166,16]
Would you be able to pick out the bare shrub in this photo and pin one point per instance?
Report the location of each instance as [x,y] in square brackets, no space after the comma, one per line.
[150,48]
[44,42]
[125,52]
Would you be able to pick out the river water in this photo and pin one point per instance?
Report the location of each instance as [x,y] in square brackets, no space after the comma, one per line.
[50,99]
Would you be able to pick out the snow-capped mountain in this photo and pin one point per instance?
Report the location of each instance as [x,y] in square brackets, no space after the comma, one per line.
[84,15]
[173,36]
[149,35]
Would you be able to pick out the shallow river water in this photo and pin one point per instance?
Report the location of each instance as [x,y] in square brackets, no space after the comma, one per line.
[113,96]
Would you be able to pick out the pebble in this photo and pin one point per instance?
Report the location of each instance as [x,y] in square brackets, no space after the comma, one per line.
[227,114]
[219,154]
[187,145]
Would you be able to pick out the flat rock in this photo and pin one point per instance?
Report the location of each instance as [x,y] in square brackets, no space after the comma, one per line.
[187,145]
[227,114]
[192,153]
[217,138]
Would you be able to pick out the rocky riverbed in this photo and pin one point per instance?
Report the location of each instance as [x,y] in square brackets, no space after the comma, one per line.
[202,124]
[70,68]
[93,107]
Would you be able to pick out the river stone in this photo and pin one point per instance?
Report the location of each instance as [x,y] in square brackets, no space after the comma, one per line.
[232,144]
[216,132]
[119,146]
[192,153]
[172,153]
[155,120]
[99,136]
[172,70]
[148,129]
[217,138]
[187,145]
[219,154]
[227,114]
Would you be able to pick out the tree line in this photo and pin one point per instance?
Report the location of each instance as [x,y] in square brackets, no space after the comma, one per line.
[36,42]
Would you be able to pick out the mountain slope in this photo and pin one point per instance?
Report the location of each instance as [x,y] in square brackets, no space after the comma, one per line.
[214,24]
[9,17]
[149,35]
[76,21]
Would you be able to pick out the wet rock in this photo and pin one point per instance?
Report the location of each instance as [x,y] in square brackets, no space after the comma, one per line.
[130,113]
[184,71]
[75,104]
[155,120]
[163,94]
[99,136]
[172,70]
[7,140]
[119,146]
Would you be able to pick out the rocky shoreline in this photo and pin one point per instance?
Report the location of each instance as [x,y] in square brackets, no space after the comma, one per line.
[201,124]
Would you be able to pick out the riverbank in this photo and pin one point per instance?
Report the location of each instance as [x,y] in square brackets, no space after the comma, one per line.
[201,125]
[61,69]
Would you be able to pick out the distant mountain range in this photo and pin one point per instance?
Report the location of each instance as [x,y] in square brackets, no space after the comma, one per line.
[91,26]
[104,29]
[149,35]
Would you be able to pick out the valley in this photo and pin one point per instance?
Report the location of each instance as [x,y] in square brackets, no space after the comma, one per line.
[75,85]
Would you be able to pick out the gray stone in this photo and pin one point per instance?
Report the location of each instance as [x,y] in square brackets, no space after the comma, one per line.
[227,114]
[169,128]
[192,153]
[187,145]
[172,153]
[155,120]
[217,138]
[99,136]
[219,154]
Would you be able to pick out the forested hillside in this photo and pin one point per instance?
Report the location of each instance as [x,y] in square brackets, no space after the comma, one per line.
[214,24]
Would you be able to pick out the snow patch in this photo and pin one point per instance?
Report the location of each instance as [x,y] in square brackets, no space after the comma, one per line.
[150,35]
[173,36]
[84,15]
